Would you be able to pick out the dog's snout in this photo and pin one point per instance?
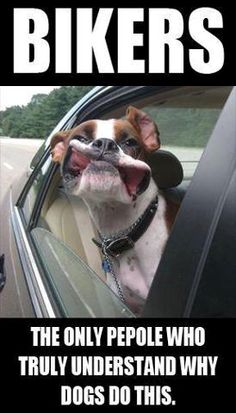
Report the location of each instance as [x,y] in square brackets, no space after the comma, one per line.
[105,145]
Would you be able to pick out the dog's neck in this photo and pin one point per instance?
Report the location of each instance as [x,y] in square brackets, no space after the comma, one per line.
[114,217]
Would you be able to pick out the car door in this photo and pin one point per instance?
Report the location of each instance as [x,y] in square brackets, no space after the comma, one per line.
[197,274]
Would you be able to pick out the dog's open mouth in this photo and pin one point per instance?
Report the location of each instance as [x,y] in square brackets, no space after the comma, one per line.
[135,179]
[134,174]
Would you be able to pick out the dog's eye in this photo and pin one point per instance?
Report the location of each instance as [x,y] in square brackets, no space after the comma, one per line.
[82,139]
[131,142]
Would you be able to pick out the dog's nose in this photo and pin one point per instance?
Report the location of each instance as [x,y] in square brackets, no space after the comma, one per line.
[105,145]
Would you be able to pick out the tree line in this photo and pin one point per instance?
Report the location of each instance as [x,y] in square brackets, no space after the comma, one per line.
[179,126]
[37,119]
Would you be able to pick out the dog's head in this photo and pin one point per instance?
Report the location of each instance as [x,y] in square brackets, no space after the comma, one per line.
[104,160]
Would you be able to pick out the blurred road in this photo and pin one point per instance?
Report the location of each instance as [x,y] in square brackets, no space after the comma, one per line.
[15,156]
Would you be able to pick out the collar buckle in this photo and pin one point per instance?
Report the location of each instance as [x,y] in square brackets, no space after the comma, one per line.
[117,246]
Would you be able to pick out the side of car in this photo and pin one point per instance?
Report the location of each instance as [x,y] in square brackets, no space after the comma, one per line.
[62,270]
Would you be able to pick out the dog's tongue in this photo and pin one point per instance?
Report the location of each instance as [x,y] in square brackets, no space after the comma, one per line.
[136,176]
[78,160]
[131,178]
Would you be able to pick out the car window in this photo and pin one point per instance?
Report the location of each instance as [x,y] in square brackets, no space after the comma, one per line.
[39,178]
[34,162]
[186,121]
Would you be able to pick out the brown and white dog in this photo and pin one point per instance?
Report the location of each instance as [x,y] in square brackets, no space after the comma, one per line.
[103,162]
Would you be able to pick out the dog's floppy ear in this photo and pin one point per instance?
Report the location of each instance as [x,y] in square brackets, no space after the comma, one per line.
[58,145]
[146,127]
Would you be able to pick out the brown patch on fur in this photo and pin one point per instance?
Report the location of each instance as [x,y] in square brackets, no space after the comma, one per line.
[60,136]
[60,141]
[147,129]
[170,213]
[124,129]
[59,144]
[87,129]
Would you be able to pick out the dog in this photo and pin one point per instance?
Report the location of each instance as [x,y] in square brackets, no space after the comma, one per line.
[104,163]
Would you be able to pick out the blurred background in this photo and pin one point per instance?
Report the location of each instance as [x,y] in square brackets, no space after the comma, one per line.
[33,111]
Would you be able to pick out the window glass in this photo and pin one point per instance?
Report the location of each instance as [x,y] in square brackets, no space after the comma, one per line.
[76,287]
[34,190]
[38,156]
[186,122]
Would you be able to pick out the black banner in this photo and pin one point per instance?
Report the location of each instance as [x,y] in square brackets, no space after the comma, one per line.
[176,364]
[89,43]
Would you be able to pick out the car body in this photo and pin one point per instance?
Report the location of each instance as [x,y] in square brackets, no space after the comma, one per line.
[197,273]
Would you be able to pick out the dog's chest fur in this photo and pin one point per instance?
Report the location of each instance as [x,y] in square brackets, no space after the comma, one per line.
[136,268]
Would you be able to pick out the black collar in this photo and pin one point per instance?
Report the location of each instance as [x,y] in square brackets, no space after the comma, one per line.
[116,244]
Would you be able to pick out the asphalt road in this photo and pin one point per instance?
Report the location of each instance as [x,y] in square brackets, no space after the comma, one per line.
[15,156]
